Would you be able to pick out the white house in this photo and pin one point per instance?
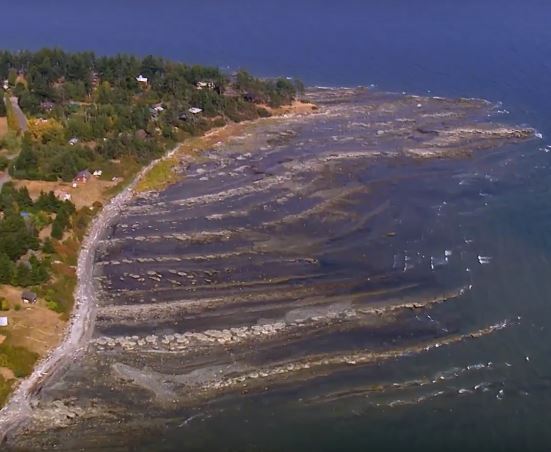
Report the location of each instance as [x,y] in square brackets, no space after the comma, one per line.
[141,79]
[97,173]
[202,85]
[3,321]
[62,195]
[195,110]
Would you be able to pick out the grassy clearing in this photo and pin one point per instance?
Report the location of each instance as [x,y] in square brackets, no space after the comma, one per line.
[20,360]
[10,143]
[5,389]
[126,169]
[160,176]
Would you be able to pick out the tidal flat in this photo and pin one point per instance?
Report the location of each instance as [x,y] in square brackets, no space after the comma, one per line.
[291,267]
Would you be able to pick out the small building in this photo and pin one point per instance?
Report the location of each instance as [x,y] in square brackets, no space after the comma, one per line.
[251,97]
[6,85]
[73,141]
[140,134]
[158,108]
[28,297]
[82,177]
[47,106]
[230,91]
[141,79]
[62,195]
[195,110]
[3,321]
[97,173]
[207,84]
[95,79]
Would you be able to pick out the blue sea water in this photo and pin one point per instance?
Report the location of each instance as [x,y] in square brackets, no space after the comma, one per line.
[495,49]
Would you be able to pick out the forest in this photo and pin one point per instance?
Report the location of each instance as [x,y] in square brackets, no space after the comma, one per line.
[104,112]
[88,110]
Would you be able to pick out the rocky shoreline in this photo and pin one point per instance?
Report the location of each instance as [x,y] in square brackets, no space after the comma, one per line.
[289,253]
[16,413]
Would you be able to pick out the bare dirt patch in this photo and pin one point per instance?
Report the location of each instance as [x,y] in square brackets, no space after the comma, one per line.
[46,232]
[7,373]
[296,108]
[3,126]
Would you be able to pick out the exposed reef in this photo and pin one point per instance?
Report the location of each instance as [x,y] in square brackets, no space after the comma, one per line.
[308,249]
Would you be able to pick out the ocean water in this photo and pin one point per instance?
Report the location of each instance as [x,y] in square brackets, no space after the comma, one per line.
[492,211]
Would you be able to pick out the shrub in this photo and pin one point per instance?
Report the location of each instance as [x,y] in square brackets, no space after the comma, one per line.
[54,306]
[263,113]
[4,162]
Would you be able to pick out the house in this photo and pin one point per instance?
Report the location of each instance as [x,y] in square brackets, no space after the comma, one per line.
[140,134]
[195,110]
[82,177]
[141,79]
[97,173]
[95,79]
[158,108]
[6,85]
[47,106]
[3,321]
[62,195]
[251,97]
[73,141]
[205,85]
[183,117]
[230,91]
[28,297]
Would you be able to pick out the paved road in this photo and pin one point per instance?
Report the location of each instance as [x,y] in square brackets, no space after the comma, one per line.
[21,119]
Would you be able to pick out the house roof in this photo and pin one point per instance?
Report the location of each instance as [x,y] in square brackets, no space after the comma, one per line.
[84,173]
[28,295]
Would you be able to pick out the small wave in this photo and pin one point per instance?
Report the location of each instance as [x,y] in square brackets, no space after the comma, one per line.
[484,259]
[483,386]
[476,366]
[465,391]
[191,418]
[438,261]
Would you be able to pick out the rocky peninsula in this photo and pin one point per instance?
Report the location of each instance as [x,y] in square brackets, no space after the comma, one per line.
[284,252]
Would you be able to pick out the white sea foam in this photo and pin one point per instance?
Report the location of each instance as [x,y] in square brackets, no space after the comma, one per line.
[484,259]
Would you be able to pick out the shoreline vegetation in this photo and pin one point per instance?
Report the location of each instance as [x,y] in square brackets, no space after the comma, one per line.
[98,127]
